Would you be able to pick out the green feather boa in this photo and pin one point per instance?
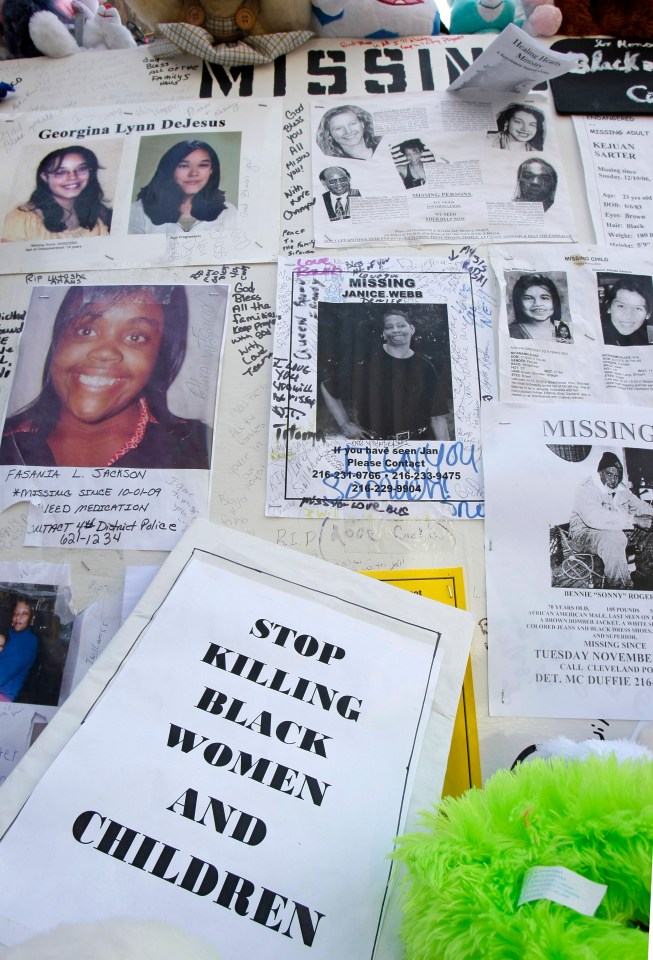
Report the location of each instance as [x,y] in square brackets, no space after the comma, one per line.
[464,875]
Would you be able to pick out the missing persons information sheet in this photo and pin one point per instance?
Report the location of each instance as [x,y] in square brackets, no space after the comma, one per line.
[380,369]
[569,555]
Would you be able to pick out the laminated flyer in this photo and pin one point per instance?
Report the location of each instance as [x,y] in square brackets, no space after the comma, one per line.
[437,169]
[380,369]
[575,323]
[569,559]
[141,185]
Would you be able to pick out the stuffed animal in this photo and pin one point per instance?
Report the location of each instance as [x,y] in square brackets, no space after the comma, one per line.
[591,18]
[587,808]
[481,16]
[57,28]
[230,32]
[542,18]
[375,19]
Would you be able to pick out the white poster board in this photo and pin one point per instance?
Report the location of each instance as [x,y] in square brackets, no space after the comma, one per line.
[284,746]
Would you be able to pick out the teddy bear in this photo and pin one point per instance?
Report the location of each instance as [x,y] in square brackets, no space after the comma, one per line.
[229,32]
[591,18]
[253,17]
[58,28]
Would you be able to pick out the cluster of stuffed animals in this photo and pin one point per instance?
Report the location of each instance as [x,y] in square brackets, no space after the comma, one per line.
[57,28]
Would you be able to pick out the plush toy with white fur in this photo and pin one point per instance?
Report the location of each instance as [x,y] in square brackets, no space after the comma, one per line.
[375,19]
[116,939]
[58,28]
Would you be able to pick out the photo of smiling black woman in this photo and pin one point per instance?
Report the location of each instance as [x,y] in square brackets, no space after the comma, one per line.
[626,303]
[114,354]
[67,200]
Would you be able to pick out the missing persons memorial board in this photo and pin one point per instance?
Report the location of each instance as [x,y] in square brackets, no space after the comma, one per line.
[257,805]
[616,153]
[141,185]
[575,323]
[109,422]
[416,169]
[380,367]
[569,560]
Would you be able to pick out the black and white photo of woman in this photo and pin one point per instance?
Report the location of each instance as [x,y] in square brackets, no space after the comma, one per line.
[535,307]
[384,372]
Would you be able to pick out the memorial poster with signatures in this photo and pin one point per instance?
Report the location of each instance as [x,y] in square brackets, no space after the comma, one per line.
[617,153]
[290,748]
[143,185]
[109,421]
[575,323]
[569,559]
[380,367]
[414,169]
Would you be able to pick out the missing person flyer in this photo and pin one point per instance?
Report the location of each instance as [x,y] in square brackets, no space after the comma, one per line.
[141,185]
[575,323]
[254,800]
[569,559]
[437,169]
[380,368]
[108,426]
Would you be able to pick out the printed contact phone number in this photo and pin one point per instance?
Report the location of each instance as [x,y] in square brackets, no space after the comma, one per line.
[399,474]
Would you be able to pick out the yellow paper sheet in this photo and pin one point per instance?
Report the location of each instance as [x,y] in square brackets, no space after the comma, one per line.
[448,586]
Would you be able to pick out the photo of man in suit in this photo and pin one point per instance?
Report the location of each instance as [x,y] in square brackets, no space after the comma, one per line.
[338,191]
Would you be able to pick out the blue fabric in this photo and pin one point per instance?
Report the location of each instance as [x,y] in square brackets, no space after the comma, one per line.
[16,661]
[323,18]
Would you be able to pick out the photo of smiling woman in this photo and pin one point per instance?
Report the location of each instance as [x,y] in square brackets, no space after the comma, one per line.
[347,131]
[183,195]
[626,304]
[114,353]
[520,128]
[67,200]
